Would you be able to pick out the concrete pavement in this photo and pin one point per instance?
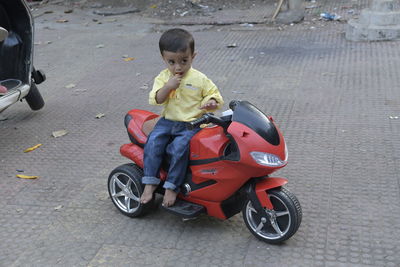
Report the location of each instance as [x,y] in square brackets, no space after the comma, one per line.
[337,103]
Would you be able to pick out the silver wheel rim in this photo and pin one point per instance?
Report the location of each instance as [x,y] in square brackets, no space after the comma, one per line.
[124,192]
[275,226]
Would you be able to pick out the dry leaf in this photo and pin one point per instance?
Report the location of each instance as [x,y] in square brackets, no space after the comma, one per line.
[58,207]
[144,87]
[100,115]
[26,176]
[59,133]
[32,148]
[129,59]
[153,6]
[99,46]
[71,85]
[62,20]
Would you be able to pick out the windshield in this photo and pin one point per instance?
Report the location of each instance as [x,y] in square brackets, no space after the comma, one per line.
[249,115]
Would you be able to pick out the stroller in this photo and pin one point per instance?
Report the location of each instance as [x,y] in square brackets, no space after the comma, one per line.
[18,77]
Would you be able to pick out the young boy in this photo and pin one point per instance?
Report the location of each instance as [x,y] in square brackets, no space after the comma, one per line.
[186,95]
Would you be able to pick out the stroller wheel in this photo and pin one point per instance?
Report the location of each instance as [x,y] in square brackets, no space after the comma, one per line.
[34,98]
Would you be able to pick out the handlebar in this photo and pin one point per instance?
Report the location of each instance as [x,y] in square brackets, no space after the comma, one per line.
[196,123]
[207,118]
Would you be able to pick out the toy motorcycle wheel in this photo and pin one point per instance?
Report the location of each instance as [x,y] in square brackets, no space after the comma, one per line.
[125,189]
[281,222]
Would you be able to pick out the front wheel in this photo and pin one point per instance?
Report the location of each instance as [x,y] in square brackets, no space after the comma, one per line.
[280,223]
[125,189]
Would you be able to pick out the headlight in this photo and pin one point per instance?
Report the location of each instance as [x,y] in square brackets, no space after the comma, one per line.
[266,159]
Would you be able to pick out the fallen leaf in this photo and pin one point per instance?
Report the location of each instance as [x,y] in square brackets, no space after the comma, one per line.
[59,133]
[153,6]
[62,20]
[100,115]
[144,87]
[32,148]
[58,207]
[26,176]
[99,46]
[129,59]
[71,85]
[68,11]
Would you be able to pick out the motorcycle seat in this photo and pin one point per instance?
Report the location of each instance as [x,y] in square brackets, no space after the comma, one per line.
[139,124]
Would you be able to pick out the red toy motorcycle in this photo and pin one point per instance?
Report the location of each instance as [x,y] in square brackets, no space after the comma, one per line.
[230,164]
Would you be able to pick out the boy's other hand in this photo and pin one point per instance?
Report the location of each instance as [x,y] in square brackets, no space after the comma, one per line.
[210,105]
[174,82]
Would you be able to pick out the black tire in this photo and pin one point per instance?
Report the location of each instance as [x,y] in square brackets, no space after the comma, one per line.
[34,98]
[125,189]
[282,222]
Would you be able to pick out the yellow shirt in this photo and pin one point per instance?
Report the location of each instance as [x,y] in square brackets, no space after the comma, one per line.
[183,104]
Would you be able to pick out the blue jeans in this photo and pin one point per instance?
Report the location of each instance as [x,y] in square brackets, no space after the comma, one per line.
[170,138]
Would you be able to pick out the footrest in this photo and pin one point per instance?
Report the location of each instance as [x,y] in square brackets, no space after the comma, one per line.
[185,209]
[10,83]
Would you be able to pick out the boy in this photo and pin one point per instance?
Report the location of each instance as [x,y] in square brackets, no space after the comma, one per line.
[186,95]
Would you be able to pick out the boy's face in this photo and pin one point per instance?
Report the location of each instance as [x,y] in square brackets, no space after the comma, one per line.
[178,63]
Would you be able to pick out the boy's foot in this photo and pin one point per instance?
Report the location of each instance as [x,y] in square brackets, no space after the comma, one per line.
[147,195]
[169,198]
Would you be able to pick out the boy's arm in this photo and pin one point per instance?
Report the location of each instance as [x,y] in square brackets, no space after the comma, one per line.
[210,93]
[161,89]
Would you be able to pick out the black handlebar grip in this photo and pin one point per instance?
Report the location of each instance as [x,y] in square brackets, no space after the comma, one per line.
[198,122]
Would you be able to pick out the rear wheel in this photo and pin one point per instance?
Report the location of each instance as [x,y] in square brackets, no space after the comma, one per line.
[125,189]
[34,98]
[280,223]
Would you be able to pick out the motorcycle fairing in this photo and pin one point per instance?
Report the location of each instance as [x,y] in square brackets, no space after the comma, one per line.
[248,141]
[247,114]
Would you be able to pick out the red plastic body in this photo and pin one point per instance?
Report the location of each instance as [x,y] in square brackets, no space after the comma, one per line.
[229,176]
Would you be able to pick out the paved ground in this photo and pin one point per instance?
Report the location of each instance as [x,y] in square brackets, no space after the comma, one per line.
[337,103]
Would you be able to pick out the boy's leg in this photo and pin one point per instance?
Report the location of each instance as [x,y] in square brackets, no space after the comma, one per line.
[154,151]
[178,150]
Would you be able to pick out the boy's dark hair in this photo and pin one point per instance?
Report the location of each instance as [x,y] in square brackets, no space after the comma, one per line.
[176,40]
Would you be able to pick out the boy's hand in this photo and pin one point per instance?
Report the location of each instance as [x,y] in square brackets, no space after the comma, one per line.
[210,105]
[174,82]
